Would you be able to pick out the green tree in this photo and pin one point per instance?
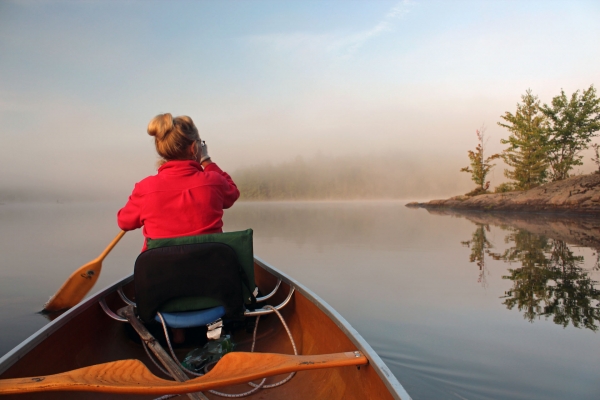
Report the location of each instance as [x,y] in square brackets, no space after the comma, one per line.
[526,152]
[480,165]
[572,123]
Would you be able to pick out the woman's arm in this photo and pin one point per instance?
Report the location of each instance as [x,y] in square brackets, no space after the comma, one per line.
[129,217]
[230,190]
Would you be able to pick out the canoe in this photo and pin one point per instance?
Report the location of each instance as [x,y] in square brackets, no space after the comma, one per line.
[86,336]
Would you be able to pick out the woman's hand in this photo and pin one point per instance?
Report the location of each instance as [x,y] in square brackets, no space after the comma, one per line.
[204,157]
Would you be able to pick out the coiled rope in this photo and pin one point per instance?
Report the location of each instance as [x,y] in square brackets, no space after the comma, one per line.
[255,386]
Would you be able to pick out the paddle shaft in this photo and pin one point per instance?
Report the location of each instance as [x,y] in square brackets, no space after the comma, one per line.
[110,246]
[160,353]
[74,289]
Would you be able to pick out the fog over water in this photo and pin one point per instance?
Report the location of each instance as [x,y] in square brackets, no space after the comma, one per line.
[269,81]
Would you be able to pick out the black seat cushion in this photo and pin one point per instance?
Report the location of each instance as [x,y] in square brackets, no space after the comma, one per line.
[202,269]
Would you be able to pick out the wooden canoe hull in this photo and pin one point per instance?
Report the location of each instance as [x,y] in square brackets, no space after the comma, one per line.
[85,336]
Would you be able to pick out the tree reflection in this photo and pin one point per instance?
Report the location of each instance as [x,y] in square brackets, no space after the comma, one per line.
[479,245]
[573,293]
[550,282]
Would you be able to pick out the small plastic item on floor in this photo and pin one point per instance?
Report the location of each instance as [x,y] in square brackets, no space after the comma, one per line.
[197,359]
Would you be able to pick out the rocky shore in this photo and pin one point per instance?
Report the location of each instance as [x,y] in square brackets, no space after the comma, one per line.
[576,195]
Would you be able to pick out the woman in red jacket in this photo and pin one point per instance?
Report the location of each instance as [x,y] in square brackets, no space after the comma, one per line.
[189,193]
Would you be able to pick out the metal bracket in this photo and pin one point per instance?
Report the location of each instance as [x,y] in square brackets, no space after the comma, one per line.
[124,298]
[265,311]
[259,299]
[110,312]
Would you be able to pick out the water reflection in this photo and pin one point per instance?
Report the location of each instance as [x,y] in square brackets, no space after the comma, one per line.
[551,280]
[479,245]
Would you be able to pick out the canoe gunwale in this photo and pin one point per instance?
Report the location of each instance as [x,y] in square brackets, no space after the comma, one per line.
[394,386]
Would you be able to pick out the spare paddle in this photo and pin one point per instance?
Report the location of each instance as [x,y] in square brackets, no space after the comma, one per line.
[132,376]
[80,282]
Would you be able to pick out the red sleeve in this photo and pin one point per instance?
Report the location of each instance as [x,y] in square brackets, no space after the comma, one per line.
[230,190]
[129,217]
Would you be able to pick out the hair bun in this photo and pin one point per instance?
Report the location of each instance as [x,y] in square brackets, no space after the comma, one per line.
[161,125]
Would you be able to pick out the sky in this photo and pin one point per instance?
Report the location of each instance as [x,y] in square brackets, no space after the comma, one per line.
[267,81]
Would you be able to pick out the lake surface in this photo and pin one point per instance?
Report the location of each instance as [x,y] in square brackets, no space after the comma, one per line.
[459,306]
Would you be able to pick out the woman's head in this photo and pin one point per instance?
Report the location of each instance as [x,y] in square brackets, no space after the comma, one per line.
[175,138]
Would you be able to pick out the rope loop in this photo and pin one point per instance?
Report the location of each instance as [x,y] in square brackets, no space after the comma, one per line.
[255,386]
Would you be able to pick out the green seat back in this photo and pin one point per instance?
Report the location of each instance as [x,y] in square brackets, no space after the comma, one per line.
[240,241]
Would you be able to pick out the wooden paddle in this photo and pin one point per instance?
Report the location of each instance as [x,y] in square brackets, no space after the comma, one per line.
[80,282]
[132,376]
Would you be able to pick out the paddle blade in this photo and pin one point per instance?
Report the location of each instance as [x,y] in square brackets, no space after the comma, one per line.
[96,378]
[76,287]
[80,282]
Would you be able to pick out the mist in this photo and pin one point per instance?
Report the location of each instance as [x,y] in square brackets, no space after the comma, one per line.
[389,176]
[389,91]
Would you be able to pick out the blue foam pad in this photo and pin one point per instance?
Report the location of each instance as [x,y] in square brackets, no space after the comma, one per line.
[190,319]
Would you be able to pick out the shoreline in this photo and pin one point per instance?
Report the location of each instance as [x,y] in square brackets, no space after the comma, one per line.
[577,195]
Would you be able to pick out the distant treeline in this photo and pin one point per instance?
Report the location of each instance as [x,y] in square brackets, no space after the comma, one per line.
[347,177]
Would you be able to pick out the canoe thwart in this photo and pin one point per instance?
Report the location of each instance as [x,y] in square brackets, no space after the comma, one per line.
[132,376]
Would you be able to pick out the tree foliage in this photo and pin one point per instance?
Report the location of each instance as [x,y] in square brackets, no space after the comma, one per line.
[571,125]
[480,165]
[527,150]
[550,282]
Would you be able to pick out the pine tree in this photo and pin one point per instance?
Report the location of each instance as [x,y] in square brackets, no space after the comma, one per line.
[527,150]
[571,126]
[480,166]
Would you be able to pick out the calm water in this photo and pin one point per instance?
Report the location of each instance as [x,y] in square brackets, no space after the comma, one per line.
[458,306]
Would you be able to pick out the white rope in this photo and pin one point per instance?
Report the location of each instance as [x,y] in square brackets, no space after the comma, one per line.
[255,386]
[164,324]
[290,376]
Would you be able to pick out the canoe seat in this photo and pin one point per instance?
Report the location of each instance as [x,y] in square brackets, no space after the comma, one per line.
[240,241]
[191,319]
[210,270]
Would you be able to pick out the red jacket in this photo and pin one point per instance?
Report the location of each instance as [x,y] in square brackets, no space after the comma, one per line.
[181,200]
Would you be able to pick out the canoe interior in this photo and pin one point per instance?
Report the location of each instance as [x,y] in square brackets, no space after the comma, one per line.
[93,338]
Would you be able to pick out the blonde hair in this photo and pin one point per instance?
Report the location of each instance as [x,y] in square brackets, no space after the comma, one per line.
[173,136]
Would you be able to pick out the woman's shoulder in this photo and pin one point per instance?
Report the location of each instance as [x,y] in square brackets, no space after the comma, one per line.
[146,184]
